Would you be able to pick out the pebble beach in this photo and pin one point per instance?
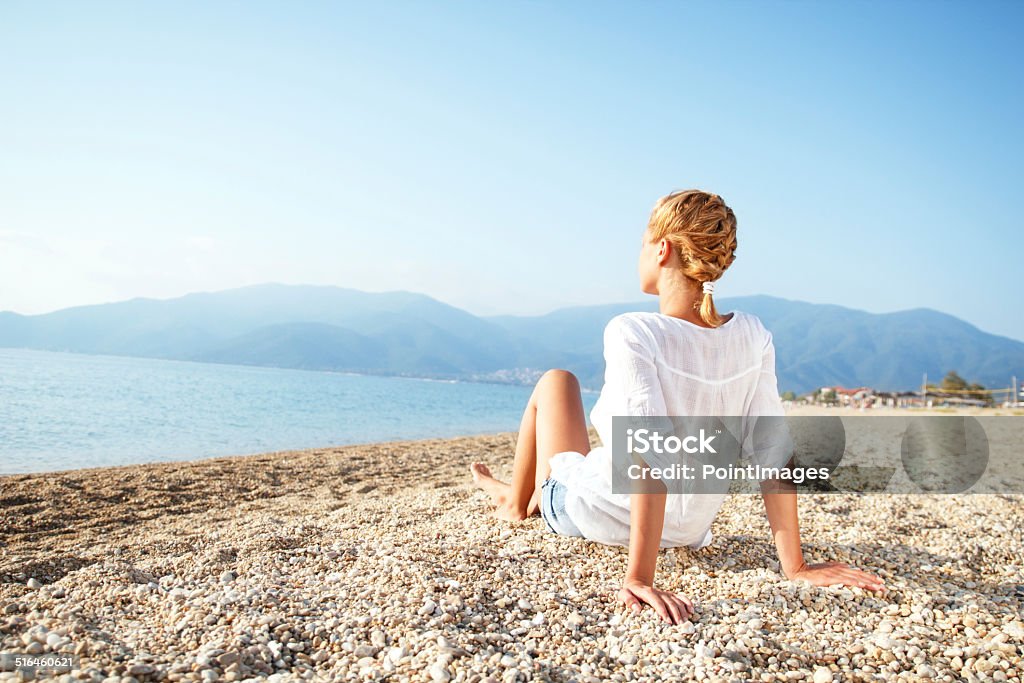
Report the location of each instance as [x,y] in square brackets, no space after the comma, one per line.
[381,562]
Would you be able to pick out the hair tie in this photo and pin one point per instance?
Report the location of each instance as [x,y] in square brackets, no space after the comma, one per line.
[709,287]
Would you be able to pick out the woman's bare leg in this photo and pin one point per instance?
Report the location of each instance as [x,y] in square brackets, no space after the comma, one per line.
[553,422]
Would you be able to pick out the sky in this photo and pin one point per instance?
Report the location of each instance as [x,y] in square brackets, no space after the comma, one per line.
[504,157]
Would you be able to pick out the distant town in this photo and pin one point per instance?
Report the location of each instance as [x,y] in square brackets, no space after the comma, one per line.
[953,391]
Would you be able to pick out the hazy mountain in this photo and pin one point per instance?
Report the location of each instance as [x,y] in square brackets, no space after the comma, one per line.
[314,327]
[298,326]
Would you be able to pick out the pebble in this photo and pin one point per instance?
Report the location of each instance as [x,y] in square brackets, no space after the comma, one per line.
[365,651]
[822,674]
[1014,629]
[228,659]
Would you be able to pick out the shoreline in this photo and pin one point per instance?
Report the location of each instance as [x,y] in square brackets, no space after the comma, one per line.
[233,456]
[380,561]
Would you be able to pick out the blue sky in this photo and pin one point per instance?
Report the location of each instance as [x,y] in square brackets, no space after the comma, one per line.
[504,157]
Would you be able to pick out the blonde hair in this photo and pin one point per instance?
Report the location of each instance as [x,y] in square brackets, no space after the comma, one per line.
[702,228]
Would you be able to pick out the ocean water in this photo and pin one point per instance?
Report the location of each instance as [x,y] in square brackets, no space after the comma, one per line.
[61,411]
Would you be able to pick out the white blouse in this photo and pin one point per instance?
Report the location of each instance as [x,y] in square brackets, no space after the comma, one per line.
[658,365]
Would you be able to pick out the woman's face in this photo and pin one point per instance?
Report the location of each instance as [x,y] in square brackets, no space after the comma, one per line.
[649,266]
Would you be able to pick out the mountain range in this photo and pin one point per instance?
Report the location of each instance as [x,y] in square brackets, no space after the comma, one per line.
[403,333]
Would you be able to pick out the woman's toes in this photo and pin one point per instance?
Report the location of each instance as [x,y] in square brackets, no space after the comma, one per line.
[479,471]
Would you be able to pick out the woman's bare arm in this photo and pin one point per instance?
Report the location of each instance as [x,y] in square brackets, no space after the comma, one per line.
[646,523]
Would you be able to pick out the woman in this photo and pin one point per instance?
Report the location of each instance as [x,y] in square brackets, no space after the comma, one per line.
[684,360]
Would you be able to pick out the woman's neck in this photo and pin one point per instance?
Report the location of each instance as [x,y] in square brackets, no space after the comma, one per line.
[679,302]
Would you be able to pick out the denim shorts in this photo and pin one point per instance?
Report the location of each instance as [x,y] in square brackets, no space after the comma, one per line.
[552,509]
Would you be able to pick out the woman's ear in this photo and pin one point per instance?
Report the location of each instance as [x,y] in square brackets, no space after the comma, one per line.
[664,251]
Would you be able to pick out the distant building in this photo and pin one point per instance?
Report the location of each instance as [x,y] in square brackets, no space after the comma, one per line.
[857,398]
[898,399]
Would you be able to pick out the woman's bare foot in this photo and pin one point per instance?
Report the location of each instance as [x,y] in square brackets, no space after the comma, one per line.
[497,490]
[484,480]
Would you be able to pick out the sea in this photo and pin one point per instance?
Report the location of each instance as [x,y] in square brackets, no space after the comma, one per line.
[63,411]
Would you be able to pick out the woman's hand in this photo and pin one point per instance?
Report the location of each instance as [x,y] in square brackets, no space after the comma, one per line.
[671,607]
[829,573]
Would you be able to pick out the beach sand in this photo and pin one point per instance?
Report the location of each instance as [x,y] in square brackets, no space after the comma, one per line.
[381,562]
